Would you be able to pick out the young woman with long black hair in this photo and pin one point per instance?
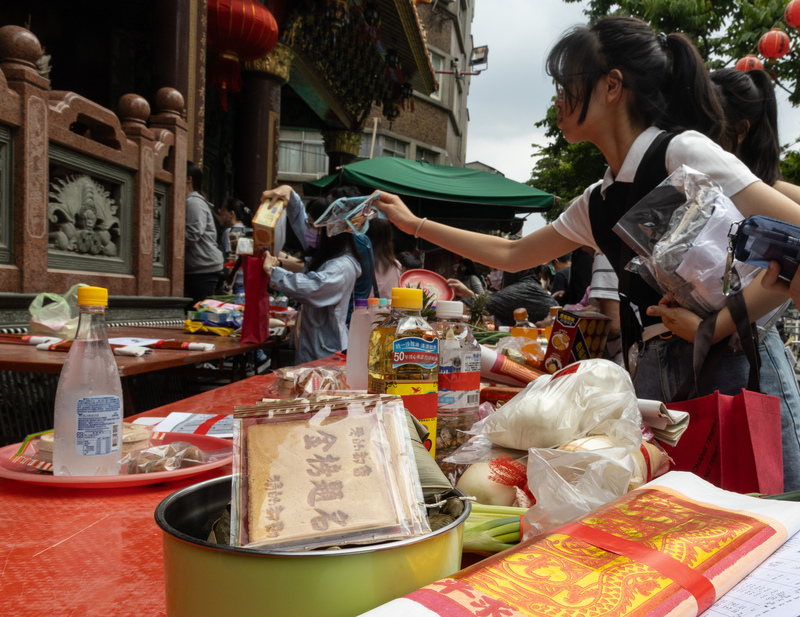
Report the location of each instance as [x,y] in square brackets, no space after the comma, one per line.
[323,288]
[620,86]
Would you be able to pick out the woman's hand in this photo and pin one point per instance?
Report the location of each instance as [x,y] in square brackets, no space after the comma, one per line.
[678,320]
[270,263]
[397,212]
[772,282]
[283,192]
[461,290]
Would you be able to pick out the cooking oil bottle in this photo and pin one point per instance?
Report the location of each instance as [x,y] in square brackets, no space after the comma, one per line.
[404,359]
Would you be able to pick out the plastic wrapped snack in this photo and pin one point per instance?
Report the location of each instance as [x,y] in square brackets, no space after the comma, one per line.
[680,232]
[333,472]
[302,382]
[167,457]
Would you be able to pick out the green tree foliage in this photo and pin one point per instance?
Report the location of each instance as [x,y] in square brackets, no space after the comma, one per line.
[723,31]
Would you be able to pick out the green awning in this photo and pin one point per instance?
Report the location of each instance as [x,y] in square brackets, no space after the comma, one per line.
[436,182]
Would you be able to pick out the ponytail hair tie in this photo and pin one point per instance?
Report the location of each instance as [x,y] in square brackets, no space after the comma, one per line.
[662,39]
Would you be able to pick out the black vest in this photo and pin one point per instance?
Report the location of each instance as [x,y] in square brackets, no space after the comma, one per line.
[605,213]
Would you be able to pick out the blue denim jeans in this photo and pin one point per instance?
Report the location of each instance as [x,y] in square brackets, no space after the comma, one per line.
[665,364]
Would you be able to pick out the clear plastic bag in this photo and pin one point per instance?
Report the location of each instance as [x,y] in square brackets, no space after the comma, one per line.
[579,476]
[167,457]
[680,232]
[521,350]
[477,449]
[569,484]
[582,399]
[55,315]
[351,214]
[309,474]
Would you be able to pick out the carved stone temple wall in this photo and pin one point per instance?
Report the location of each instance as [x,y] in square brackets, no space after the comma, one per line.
[86,195]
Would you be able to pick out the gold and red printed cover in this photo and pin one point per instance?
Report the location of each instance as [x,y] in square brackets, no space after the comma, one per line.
[653,551]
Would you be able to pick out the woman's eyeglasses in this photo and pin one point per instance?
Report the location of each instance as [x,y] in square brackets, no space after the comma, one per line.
[559,93]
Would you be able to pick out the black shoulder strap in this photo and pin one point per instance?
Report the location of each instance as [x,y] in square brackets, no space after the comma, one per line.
[648,175]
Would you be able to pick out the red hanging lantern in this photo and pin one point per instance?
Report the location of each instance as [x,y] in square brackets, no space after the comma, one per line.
[792,14]
[749,63]
[774,44]
[238,30]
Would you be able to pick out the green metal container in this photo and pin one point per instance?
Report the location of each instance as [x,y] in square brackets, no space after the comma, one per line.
[204,579]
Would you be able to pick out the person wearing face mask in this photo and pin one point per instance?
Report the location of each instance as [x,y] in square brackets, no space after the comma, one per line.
[309,236]
[366,284]
[323,288]
[496,279]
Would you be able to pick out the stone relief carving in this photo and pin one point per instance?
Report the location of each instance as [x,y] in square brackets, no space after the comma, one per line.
[83,217]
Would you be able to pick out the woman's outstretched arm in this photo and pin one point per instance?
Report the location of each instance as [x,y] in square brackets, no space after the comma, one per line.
[509,255]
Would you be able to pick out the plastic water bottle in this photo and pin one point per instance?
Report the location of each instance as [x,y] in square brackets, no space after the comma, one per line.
[459,377]
[358,346]
[88,408]
[521,318]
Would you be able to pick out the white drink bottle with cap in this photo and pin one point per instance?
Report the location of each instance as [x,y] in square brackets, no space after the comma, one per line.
[459,378]
[88,408]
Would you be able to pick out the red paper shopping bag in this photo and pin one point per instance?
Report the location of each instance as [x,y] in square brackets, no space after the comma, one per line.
[255,325]
[734,442]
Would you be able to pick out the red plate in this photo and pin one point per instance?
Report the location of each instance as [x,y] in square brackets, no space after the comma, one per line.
[208,444]
[434,283]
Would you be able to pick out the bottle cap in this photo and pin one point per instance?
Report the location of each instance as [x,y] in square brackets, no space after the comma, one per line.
[361,303]
[406,298]
[450,309]
[93,296]
[504,329]
[373,301]
[520,314]
[384,301]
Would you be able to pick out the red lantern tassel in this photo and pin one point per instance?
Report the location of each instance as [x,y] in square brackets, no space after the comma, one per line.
[226,76]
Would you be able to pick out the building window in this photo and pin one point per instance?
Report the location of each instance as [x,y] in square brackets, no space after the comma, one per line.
[393,148]
[384,146]
[437,60]
[429,156]
[366,146]
[302,152]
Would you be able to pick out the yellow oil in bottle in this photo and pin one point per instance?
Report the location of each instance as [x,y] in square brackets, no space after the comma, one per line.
[404,358]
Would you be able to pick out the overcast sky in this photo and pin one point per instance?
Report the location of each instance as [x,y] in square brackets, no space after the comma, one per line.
[514,92]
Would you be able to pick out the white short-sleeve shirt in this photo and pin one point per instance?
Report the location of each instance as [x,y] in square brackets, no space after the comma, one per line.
[688,148]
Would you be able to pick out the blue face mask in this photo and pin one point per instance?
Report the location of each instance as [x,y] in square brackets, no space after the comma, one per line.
[311,237]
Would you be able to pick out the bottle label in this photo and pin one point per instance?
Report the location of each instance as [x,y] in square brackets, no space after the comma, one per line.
[98,427]
[459,391]
[415,350]
[419,398]
[459,378]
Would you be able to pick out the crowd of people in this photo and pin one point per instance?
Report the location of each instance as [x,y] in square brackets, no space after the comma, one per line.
[648,113]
